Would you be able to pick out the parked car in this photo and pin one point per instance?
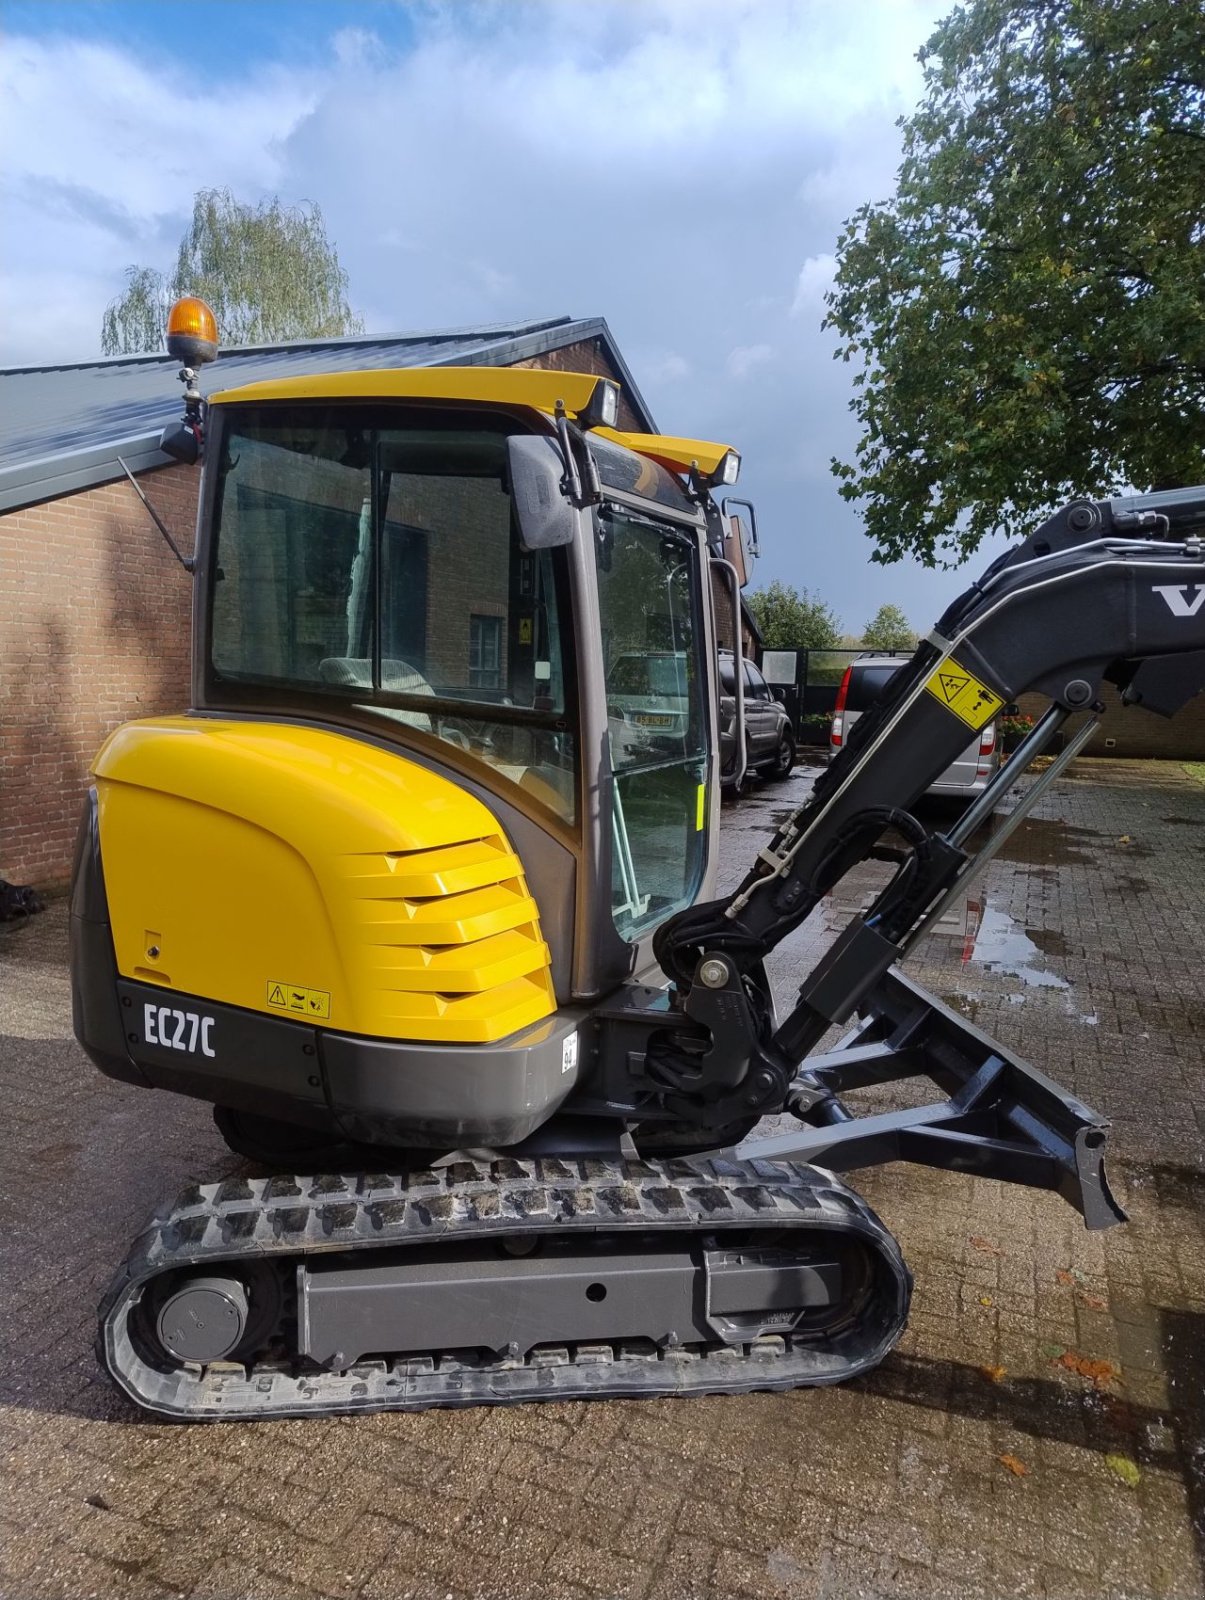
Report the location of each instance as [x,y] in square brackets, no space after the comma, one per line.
[648,703]
[865,681]
[769,736]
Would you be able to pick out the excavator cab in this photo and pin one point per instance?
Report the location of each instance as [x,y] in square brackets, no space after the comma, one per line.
[373,569]
[451,759]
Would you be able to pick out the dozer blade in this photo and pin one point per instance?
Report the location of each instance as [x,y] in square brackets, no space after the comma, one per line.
[491,1283]
[1002,1119]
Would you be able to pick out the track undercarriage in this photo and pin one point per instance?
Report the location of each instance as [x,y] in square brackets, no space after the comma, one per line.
[492,1283]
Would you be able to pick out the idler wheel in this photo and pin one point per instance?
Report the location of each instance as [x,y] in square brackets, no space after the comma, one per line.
[204,1319]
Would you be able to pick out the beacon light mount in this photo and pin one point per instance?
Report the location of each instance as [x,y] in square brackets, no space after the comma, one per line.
[192,338]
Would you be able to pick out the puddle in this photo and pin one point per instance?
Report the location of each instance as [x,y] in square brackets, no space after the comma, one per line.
[1046,842]
[966,1005]
[1001,946]
[1131,883]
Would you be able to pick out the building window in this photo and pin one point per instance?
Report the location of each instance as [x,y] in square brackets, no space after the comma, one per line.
[485,652]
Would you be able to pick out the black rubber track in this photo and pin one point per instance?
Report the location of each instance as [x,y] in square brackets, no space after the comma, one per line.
[291,1218]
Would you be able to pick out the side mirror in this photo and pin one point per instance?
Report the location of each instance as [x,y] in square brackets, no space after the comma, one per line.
[546,519]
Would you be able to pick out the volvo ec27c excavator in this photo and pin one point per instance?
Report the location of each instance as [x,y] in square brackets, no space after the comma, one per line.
[419,894]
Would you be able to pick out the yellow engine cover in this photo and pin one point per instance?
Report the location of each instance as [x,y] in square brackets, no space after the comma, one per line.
[298,872]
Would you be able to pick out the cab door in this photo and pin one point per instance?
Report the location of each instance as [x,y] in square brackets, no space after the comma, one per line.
[659,747]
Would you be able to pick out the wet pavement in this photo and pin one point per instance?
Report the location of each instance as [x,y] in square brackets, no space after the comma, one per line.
[1039,1431]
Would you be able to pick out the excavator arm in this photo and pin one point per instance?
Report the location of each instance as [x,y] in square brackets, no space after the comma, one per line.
[1102,591]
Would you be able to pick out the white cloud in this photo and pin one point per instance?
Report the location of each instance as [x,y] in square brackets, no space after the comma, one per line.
[87,115]
[667,166]
[354,47]
[101,162]
[814,281]
[664,366]
[746,358]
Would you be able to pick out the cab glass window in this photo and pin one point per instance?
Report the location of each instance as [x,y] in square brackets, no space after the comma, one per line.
[379,565]
[649,594]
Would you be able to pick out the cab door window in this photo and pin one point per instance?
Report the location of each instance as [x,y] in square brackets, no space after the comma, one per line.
[649,603]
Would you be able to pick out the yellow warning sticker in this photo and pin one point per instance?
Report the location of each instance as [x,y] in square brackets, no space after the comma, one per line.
[962,693]
[293,997]
[700,808]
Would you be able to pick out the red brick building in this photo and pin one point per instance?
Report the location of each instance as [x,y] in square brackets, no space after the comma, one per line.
[94,609]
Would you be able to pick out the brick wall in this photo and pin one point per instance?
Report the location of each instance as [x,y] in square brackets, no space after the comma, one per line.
[721,604]
[94,630]
[587,355]
[1131,731]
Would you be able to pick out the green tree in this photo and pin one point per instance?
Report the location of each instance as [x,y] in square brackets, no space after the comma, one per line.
[1029,309]
[268,271]
[889,629]
[793,619]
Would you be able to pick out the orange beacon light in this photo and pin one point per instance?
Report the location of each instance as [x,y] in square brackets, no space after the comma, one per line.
[192,332]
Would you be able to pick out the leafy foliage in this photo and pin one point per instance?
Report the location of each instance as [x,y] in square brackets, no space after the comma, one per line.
[268,271]
[1029,309]
[889,629]
[792,619]
[814,728]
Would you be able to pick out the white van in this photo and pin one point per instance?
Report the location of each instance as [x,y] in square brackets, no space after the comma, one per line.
[863,686]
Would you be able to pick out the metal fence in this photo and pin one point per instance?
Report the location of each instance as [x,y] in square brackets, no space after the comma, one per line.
[806,681]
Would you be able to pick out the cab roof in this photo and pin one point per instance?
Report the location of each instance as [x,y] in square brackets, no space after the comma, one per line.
[536,389]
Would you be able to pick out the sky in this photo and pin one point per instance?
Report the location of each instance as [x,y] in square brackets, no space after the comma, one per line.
[679,167]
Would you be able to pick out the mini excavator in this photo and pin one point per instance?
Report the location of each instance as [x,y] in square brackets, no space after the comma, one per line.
[419,895]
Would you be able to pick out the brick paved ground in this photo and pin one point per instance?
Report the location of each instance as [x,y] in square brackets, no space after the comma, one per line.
[888,1487]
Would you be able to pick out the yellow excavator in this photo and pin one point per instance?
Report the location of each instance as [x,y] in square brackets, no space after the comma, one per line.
[419,895]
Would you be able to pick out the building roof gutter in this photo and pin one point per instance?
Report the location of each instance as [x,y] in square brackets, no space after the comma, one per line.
[31,482]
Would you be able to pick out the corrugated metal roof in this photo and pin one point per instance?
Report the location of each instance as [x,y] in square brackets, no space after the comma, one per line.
[62,428]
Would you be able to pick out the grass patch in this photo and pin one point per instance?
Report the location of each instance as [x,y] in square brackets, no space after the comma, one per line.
[1195,769]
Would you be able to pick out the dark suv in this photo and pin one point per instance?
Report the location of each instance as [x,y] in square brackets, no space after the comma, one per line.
[769,737]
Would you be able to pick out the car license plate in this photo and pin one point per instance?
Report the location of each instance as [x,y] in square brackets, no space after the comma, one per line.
[652,719]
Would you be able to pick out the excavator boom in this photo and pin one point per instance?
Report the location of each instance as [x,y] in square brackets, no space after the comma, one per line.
[1103,591]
